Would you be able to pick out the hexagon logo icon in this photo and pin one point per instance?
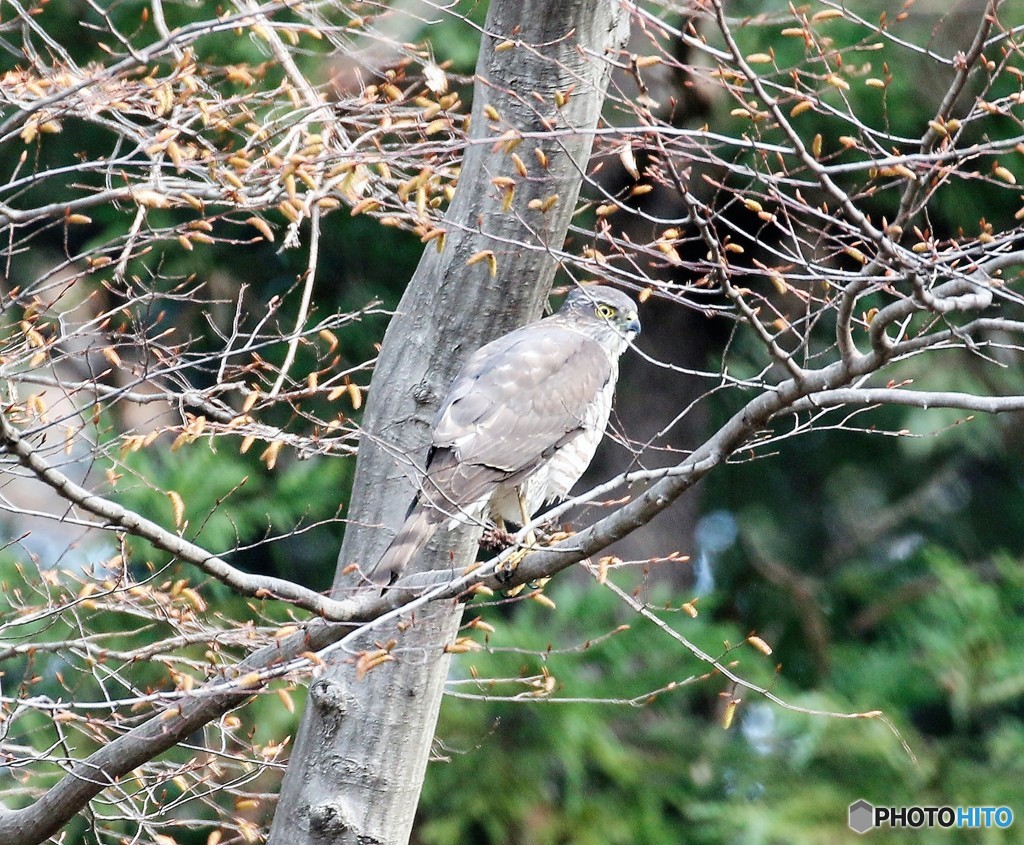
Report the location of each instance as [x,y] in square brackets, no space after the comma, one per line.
[862,816]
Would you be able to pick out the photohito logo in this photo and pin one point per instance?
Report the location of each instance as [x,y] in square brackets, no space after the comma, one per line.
[865,817]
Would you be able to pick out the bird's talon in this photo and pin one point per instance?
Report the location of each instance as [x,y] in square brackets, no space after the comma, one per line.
[505,570]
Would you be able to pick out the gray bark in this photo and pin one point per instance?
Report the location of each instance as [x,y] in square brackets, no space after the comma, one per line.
[361,752]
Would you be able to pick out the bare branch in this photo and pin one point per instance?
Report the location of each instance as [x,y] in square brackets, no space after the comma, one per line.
[120,518]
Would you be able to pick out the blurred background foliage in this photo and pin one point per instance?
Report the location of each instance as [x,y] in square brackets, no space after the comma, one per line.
[886,572]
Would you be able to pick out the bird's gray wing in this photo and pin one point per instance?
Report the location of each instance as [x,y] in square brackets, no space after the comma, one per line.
[516,401]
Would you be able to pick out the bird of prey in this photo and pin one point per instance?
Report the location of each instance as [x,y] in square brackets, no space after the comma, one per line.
[521,421]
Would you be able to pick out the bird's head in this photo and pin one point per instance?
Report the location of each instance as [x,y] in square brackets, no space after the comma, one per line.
[603,308]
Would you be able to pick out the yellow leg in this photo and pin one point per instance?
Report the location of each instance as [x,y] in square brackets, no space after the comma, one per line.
[509,565]
[531,539]
[529,544]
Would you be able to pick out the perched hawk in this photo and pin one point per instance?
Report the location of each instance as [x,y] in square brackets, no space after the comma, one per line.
[521,422]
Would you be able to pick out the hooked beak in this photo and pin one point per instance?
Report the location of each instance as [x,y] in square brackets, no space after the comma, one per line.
[633,326]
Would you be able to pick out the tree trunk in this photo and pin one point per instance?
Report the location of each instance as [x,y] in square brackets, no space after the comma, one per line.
[361,752]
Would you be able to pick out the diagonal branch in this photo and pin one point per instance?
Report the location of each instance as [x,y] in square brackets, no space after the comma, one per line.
[964,64]
[87,778]
[117,516]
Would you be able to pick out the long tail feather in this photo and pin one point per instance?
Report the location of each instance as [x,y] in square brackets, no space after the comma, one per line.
[418,528]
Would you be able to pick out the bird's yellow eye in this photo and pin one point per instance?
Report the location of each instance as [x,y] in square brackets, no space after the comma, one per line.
[606,311]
